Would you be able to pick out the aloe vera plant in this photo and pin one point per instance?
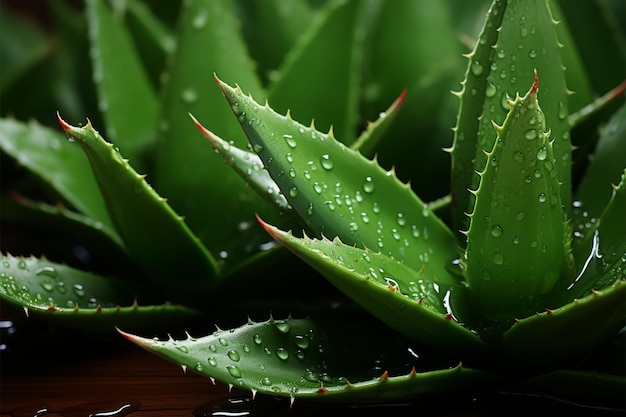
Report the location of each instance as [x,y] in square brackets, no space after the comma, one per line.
[511,279]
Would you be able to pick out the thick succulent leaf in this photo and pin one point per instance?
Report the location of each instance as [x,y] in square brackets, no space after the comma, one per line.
[518,38]
[605,261]
[288,20]
[153,39]
[368,141]
[249,166]
[333,44]
[58,163]
[470,110]
[415,303]
[22,46]
[157,238]
[594,192]
[338,192]
[313,360]
[581,325]
[208,41]
[83,300]
[123,86]
[517,245]
[58,219]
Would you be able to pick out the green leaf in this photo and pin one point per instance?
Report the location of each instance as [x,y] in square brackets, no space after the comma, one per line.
[540,339]
[313,360]
[58,163]
[123,86]
[331,45]
[208,41]
[157,238]
[288,20]
[505,57]
[517,246]
[338,192]
[414,303]
[83,300]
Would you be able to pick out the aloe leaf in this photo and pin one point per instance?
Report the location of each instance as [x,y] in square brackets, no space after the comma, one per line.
[288,20]
[605,168]
[249,166]
[415,303]
[369,139]
[22,47]
[18,209]
[336,31]
[313,360]
[153,39]
[472,94]
[122,83]
[158,239]
[539,339]
[338,192]
[208,41]
[524,41]
[62,166]
[71,297]
[517,245]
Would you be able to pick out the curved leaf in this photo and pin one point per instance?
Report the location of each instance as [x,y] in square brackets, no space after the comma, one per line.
[313,360]
[208,41]
[338,192]
[123,85]
[60,164]
[335,42]
[415,303]
[580,325]
[158,239]
[83,300]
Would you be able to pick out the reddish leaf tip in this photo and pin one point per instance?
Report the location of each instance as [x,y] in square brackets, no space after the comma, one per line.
[64,125]
[535,86]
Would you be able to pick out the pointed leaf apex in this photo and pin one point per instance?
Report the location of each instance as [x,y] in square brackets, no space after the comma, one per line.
[535,87]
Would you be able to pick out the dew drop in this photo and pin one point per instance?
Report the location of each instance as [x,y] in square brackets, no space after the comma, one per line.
[189,95]
[199,21]
[282,353]
[234,356]
[520,216]
[291,142]
[496,230]
[198,367]
[530,134]
[212,361]
[302,342]
[491,90]
[317,187]
[523,32]
[542,198]
[498,259]
[21,264]
[368,185]
[293,192]
[327,163]
[79,290]
[223,341]
[477,68]
[562,111]
[266,381]
[47,286]
[353,227]
[375,208]
[234,371]
[182,348]
[257,339]
[401,219]
[532,54]
[48,271]
[542,153]
[518,157]
[283,326]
